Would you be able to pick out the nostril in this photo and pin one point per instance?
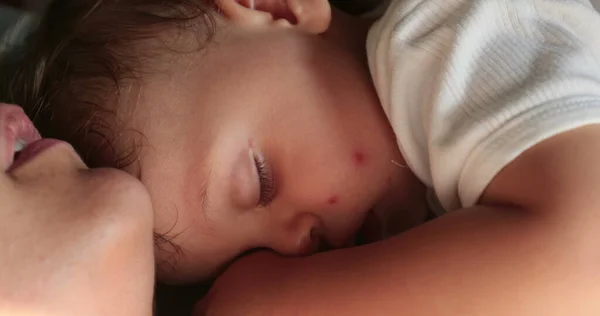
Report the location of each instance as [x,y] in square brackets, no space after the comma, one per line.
[297,235]
[314,234]
[324,246]
[309,243]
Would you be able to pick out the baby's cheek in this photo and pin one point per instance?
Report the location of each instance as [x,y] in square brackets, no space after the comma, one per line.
[357,160]
[333,200]
[331,179]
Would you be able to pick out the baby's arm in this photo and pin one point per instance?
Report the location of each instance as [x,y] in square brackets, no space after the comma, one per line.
[529,248]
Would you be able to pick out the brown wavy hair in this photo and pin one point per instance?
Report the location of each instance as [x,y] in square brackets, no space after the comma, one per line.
[69,73]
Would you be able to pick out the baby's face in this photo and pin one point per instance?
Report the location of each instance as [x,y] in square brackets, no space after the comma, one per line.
[272,139]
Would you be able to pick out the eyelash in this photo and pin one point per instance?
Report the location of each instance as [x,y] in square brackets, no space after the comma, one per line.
[267,184]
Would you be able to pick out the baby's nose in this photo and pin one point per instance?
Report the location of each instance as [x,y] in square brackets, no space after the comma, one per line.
[299,237]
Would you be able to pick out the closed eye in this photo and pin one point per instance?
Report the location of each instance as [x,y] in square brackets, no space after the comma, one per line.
[267,183]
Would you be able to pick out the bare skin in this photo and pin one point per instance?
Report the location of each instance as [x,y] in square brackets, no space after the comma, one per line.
[73,241]
[529,247]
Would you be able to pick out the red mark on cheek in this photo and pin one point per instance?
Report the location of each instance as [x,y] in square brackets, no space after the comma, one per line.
[359,158]
[332,200]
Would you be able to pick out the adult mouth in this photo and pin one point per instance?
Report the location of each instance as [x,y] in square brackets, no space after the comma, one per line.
[20,139]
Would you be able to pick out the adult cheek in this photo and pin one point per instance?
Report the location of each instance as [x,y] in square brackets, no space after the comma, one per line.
[111,274]
[114,270]
[101,265]
[126,254]
[124,274]
[80,240]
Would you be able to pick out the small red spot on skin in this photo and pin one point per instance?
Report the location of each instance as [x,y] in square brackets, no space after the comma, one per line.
[359,158]
[332,200]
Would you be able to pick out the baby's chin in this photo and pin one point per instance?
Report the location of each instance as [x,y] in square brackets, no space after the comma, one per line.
[396,213]
[402,206]
[371,230]
[376,228]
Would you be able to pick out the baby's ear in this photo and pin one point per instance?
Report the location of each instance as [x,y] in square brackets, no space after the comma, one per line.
[311,16]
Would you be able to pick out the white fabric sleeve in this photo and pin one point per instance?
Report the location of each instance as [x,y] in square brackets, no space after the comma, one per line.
[469,85]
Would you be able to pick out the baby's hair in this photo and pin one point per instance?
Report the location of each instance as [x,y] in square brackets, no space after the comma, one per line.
[69,73]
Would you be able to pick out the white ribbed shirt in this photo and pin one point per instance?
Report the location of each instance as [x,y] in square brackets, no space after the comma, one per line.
[469,85]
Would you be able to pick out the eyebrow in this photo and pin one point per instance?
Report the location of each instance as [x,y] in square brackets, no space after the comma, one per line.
[204,199]
[199,181]
[203,193]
